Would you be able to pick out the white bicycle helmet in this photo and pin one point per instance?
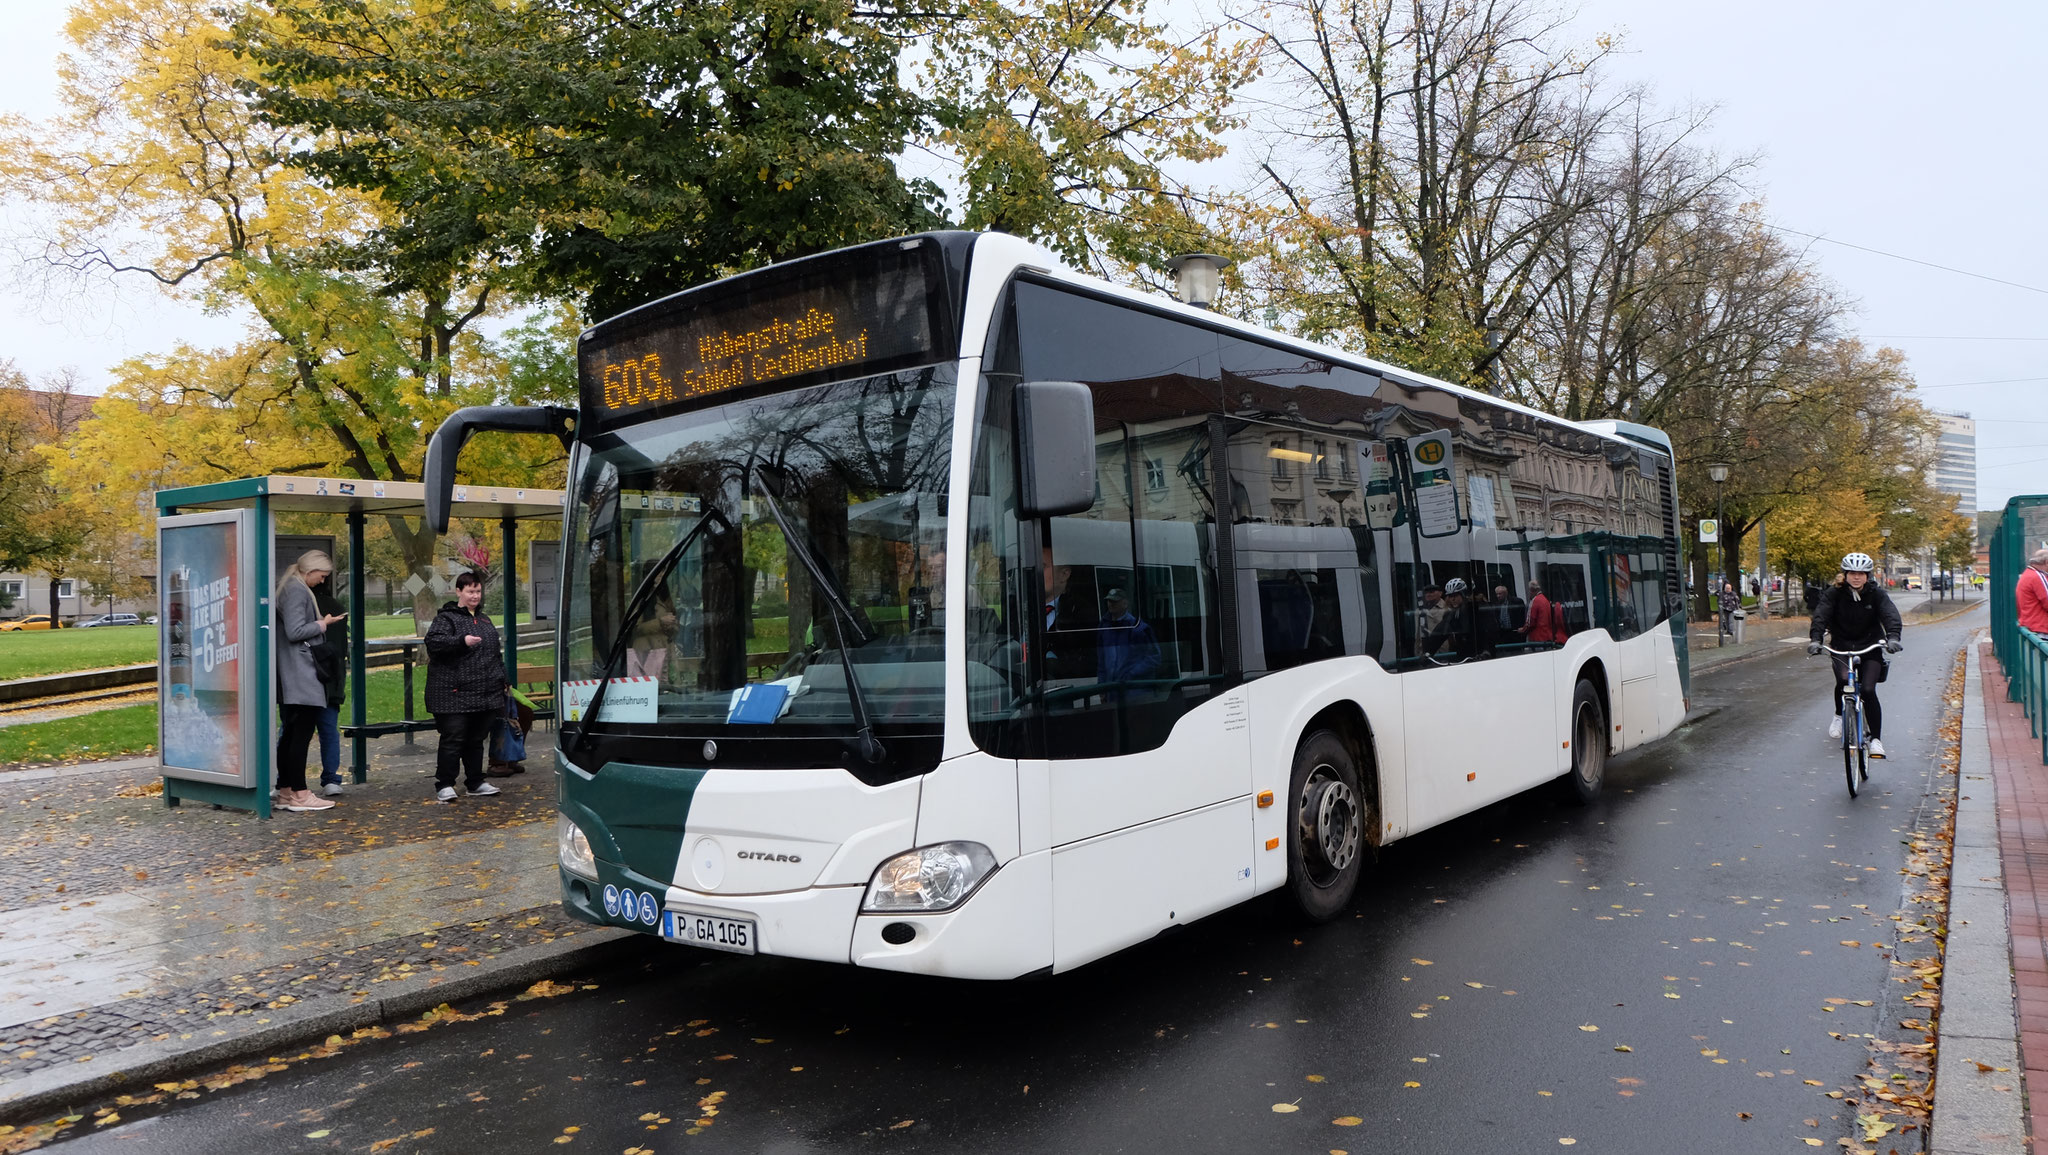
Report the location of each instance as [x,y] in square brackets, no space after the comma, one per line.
[1858,563]
[1454,587]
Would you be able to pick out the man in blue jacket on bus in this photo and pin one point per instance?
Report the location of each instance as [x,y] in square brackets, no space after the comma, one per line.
[1128,651]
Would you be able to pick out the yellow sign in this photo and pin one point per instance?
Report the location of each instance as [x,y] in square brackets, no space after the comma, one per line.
[1430,452]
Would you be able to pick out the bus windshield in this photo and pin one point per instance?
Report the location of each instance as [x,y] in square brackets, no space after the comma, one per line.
[740,637]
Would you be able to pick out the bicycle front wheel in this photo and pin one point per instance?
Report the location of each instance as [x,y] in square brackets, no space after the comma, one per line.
[1852,742]
[1850,754]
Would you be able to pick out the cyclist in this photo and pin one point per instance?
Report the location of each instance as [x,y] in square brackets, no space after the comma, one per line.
[1858,613]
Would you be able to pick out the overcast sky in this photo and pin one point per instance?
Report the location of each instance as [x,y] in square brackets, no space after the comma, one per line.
[1896,127]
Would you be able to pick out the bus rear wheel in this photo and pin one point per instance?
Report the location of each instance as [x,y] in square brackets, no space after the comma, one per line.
[1330,816]
[1589,744]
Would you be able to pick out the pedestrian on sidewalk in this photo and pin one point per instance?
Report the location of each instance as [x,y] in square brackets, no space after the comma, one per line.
[330,658]
[1858,613]
[2032,593]
[465,688]
[300,695]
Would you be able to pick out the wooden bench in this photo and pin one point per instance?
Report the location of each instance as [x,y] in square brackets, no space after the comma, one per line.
[538,684]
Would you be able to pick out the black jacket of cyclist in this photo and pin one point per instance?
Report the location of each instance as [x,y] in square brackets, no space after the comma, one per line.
[1856,612]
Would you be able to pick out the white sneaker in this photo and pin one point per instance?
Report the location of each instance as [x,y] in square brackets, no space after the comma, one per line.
[1835,728]
[1876,748]
[483,791]
[333,790]
[445,794]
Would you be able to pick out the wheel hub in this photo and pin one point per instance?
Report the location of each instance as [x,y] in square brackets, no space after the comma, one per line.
[1330,828]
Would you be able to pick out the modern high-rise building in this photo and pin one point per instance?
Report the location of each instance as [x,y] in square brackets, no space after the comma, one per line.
[1955,469]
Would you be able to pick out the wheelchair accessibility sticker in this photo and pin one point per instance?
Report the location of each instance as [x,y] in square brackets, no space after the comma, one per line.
[631,905]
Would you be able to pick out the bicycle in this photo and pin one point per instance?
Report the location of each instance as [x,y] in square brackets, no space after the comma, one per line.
[1853,745]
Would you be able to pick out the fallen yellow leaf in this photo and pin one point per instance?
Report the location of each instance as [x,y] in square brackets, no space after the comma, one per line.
[1422,962]
[902,1125]
[1285,1108]
[1411,1083]
[1347,1121]
[1588,1027]
[1315,1078]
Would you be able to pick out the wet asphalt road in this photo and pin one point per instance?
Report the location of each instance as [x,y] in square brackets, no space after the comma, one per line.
[1450,1012]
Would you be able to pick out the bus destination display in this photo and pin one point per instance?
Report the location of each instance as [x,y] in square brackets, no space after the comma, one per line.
[826,325]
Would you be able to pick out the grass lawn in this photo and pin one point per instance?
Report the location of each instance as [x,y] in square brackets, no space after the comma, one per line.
[121,732]
[37,653]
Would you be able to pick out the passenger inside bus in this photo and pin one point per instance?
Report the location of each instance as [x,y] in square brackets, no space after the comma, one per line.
[1128,650]
[647,655]
[1071,623]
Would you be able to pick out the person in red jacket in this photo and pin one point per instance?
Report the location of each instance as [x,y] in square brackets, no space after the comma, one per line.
[2032,593]
[1546,618]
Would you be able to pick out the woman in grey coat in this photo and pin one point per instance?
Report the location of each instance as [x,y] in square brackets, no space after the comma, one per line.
[300,695]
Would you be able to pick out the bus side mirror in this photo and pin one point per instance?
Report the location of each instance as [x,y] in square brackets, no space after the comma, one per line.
[455,430]
[1055,449]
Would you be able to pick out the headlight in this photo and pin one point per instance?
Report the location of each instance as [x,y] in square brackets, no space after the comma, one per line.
[574,848]
[934,878]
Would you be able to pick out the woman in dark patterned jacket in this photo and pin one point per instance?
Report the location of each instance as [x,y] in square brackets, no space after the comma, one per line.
[465,688]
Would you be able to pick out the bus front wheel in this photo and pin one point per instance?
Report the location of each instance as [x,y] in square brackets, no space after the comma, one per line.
[1589,744]
[1330,813]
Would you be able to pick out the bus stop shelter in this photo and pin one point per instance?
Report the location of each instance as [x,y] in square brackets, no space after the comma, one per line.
[216,648]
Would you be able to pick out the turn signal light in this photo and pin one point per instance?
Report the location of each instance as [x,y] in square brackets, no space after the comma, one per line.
[1265,799]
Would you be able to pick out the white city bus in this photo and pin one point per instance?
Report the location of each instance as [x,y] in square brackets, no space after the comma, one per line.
[931,607]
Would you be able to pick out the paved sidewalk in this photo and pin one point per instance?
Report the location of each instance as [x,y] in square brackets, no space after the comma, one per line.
[1998,746]
[136,939]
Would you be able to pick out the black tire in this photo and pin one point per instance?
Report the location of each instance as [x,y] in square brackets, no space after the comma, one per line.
[1589,744]
[1852,740]
[1332,823]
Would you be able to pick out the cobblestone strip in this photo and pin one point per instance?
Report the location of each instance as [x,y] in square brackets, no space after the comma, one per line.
[196,1012]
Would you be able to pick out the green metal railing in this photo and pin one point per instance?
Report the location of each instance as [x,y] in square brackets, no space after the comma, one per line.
[2022,529]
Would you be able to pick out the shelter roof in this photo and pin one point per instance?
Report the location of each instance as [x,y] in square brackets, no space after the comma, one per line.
[345,494]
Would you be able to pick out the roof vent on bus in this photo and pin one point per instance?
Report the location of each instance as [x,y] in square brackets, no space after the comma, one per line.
[1197,277]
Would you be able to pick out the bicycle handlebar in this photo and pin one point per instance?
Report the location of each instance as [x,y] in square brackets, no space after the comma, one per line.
[1853,653]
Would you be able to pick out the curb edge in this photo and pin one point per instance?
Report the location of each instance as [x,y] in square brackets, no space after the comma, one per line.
[42,1091]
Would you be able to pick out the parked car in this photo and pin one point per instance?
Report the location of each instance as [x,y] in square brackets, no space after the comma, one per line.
[31,622]
[112,620]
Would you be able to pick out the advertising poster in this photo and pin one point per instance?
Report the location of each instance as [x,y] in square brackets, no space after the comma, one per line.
[543,572]
[204,651]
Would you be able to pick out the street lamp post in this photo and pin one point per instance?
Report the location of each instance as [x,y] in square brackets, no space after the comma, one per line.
[1718,470]
[1886,534]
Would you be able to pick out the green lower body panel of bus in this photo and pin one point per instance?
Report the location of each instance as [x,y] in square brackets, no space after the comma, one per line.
[634,817]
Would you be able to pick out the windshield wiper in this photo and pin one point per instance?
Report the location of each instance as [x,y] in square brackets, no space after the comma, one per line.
[635,606]
[867,747]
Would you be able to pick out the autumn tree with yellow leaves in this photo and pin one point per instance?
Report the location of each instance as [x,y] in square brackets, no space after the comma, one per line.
[158,169]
